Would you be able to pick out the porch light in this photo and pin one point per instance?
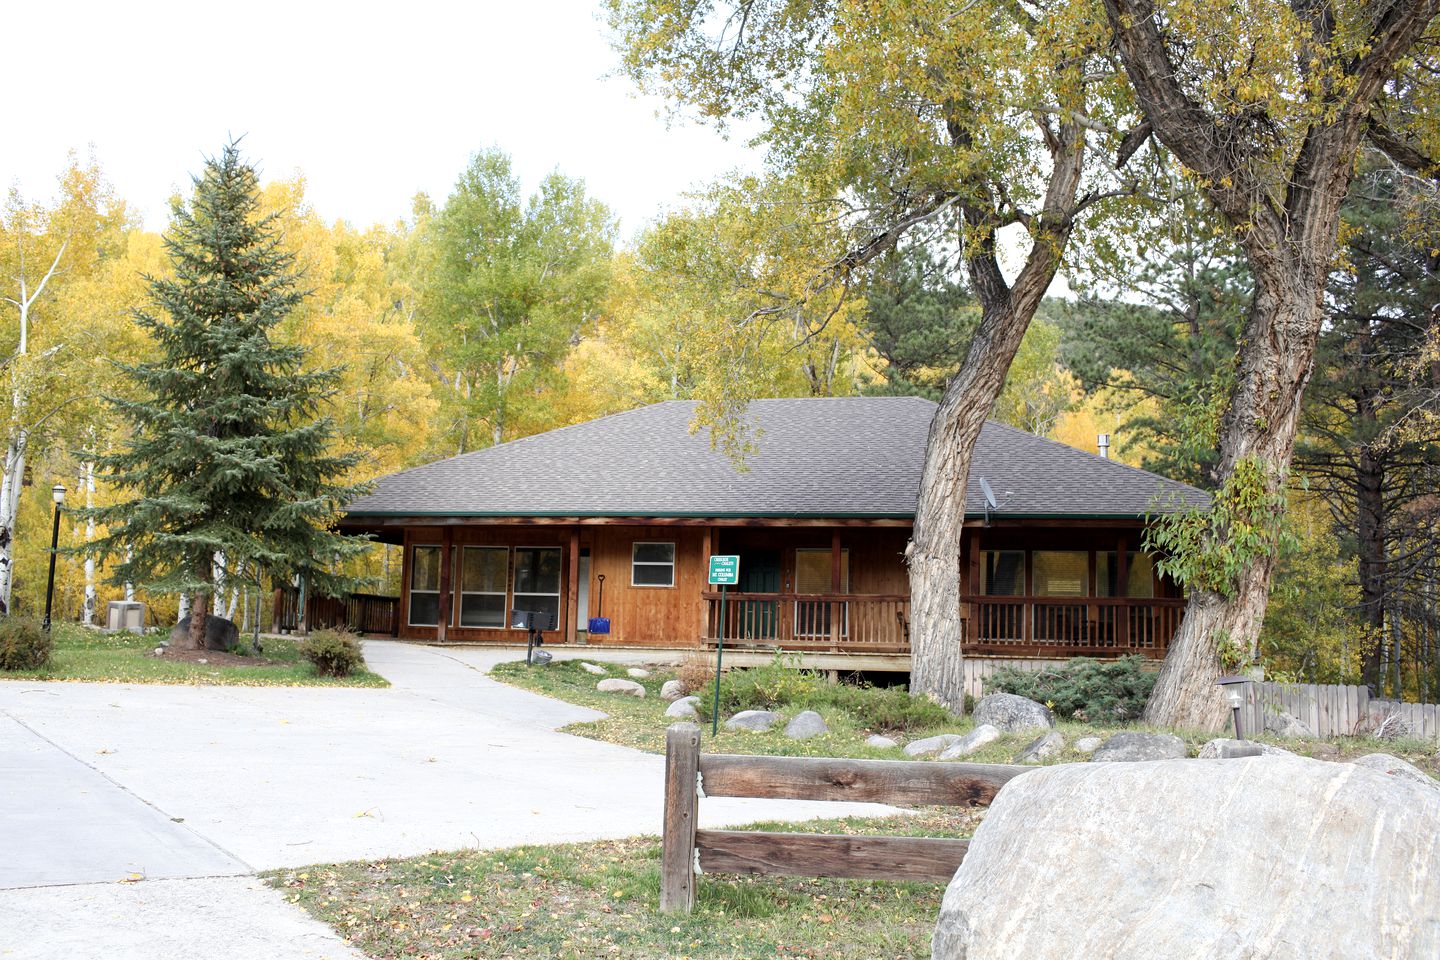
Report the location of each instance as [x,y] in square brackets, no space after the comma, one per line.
[1232,687]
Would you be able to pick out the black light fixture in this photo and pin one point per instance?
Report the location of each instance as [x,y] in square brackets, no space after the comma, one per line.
[1234,694]
[57,493]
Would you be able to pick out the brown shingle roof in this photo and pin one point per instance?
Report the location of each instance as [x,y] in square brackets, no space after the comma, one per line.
[820,457]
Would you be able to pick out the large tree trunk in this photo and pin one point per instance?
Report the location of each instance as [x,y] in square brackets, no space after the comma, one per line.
[200,606]
[1370,549]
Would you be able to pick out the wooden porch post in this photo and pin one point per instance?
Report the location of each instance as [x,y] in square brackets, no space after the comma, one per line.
[572,591]
[1122,589]
[835,606]
[442,629]
[707,549]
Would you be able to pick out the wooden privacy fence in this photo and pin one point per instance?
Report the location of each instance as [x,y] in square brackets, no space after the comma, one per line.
[1336,710]
[688,851]
[360,612]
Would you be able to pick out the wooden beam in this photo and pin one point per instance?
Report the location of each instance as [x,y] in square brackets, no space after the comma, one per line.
[835,607]
[446,541]
[1122,589]
[377,523]
[879,781]
[823,855]
[677,855]
[572,591]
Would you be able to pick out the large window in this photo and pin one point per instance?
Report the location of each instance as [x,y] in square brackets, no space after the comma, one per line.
[537,580]
[812,576]
[483,575]
[1139,580]
[1061,573]
[652,565]
[1002,573]
[424,586]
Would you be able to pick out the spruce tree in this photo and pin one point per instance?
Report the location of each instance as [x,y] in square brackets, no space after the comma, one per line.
[228,453]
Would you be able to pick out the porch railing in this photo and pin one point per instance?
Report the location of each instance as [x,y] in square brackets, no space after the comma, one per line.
[1071,626]
[361,612]
[821,621]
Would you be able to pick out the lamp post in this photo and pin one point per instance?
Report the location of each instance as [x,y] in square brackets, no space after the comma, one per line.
[57,493]
[1233,687]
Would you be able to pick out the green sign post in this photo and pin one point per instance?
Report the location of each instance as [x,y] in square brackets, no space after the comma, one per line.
[724,572]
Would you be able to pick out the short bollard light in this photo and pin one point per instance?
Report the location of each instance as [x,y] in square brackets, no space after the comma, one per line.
[1233,687]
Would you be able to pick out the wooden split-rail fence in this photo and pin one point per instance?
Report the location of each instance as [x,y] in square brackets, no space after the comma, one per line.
[690,775]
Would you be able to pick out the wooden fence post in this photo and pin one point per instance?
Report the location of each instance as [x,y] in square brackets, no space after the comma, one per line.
[677,862]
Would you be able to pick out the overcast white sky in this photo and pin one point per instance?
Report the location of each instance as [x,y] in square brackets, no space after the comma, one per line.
[371,102]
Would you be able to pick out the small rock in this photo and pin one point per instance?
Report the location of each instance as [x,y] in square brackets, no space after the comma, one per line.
[1041,748]
[806,724]
[1284,725]
[639,673]
[938,744]
[1130,747]
[984,734]
[1088,744]
[1397,768]
[757,720]
[1325,751]
[159,651]
[686,708]
[592,668]
[1011,714]
[1216,748]
[672,690]
[616,685]
[202,660]
[880,743]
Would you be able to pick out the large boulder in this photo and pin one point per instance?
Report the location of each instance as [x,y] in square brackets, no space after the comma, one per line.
[616,685]
[672,690]
[807,724]
[1009,713]
[1126,747]
[1282,724]
[754,720]
[1390,766]
[1221,747]
[220,634]
[686,708]
[1284,858]
[979,737]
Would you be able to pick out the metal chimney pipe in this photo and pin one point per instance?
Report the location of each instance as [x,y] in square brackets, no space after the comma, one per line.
[1103,442]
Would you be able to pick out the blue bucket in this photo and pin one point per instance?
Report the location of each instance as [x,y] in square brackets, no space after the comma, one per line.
[599,625]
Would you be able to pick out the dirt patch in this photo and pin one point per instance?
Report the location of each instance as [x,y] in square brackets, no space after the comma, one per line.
[213,657]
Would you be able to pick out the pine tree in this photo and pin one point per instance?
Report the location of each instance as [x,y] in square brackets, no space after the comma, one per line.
[229,454]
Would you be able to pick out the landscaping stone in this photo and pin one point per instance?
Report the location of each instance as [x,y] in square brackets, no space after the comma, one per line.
[1283,724]
[806,724]
[1041,748]
[1316,861]
[1012,714]
[592,668]
[1325,751]
[984,734]
[1215,749]
[1128,747]
[757,720]
[686,708]
[672,690]
[880,743]
[929,745]
[616,685]
[639,673]
[220,634]
[1088,744]
[1397,768]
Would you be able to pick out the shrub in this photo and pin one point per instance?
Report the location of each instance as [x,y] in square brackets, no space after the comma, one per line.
[23,644]
[884,708]
[695,672]
[1091,691]
[334,653]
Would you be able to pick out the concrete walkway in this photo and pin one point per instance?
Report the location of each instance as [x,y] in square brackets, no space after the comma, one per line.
[113,783]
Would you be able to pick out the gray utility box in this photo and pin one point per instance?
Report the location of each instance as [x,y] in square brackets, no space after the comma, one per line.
[125,615]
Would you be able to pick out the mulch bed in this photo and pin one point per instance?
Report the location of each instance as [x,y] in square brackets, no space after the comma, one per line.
[215,657]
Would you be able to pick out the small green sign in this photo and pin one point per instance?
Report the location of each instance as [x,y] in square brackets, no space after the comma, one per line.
[724,571]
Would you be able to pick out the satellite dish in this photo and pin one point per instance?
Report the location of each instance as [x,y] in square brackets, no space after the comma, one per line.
[989,494]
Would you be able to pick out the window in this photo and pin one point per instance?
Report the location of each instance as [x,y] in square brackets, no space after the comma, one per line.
[1140,579]
[424,586]
[1061,573]
[812,576]
[537,580]
[1002,573]
[652,565]
[483,583]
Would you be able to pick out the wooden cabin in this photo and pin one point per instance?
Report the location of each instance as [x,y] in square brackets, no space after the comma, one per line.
[616,519]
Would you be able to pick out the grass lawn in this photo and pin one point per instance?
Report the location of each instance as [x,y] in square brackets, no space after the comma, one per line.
[81,654]
[602,900]
[641,723]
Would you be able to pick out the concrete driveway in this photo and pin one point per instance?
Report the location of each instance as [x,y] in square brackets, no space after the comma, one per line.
[131,816]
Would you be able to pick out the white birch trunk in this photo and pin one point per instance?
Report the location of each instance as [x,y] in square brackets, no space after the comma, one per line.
[87,614]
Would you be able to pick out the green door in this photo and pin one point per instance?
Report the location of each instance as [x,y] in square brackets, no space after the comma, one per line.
[759,573]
